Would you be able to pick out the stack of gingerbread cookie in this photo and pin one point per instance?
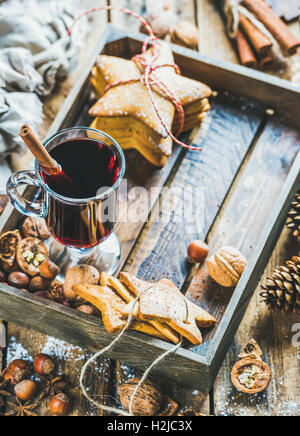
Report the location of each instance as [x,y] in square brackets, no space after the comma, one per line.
[126,112]
[161,311]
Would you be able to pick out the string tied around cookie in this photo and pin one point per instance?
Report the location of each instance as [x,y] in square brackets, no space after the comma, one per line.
[148,77]
[105,350]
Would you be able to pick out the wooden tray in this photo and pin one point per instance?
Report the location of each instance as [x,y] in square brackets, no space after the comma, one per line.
[249,171]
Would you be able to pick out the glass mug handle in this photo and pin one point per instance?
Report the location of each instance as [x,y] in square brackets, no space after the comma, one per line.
[26,207]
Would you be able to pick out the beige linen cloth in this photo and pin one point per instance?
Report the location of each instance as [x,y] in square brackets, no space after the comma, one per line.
[34,55]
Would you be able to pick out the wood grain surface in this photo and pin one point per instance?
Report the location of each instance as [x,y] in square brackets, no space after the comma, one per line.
[273,332]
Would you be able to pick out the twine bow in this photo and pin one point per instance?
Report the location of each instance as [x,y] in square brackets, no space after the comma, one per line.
[148,65]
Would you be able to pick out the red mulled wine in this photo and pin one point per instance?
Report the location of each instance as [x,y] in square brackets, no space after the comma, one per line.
[89,168]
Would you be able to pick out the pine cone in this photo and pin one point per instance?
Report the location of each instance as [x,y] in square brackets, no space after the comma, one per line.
[293,222]
[282,290]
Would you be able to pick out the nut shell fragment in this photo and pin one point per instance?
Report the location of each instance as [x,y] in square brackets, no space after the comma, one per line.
[31,254]
[8,247]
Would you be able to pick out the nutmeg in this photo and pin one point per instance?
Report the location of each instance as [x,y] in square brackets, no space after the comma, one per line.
[197,251]
[43,364]
[25,390]
[18,279]
[35,227]
[185,34]
[59,405]
[147,401]
[17,371]
[82,274]
[227,266]
[38,284]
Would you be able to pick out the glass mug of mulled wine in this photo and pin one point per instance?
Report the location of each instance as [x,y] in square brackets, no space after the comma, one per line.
[81,207]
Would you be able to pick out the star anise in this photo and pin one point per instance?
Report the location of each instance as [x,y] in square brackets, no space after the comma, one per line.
[19,409]
[52,386]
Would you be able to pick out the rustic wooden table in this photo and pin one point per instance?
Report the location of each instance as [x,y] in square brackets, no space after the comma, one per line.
[272,331]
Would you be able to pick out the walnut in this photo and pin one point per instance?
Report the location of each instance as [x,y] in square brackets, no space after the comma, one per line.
[8,247]
[31,254]
[34,227]
[82,274]
[227,266]
[147,401]
[185,34]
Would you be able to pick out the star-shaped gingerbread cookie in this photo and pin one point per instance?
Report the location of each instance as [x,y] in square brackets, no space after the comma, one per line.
[126,113]
[164,302]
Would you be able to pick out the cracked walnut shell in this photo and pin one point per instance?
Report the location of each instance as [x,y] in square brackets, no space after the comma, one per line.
[8,247]
[227,266]
[251,376]
[31,254]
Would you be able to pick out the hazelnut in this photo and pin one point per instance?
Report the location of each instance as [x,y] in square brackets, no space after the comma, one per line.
[17,371]
[43,364]
[25,390]
[82,274]
[9,268]
[34,227]
[49,270]
[18,279]
[197,251]
[88,310]
[3,277]
[59,405]
[227,266]
[148,399]
[185,34]
[38,284]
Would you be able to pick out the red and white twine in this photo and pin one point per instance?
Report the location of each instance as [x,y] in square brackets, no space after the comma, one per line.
[148,78]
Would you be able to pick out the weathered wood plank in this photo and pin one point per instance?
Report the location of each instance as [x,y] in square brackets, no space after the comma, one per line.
[273,332]
[169,230]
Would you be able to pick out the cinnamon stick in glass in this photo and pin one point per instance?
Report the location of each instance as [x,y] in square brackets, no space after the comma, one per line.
[245,51]
[39,151]
[260,42]
[288,42]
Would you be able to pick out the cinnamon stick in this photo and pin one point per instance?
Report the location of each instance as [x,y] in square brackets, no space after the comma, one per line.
[288,42]
[39,151]
[266,61]
[259,41]
[246,54]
